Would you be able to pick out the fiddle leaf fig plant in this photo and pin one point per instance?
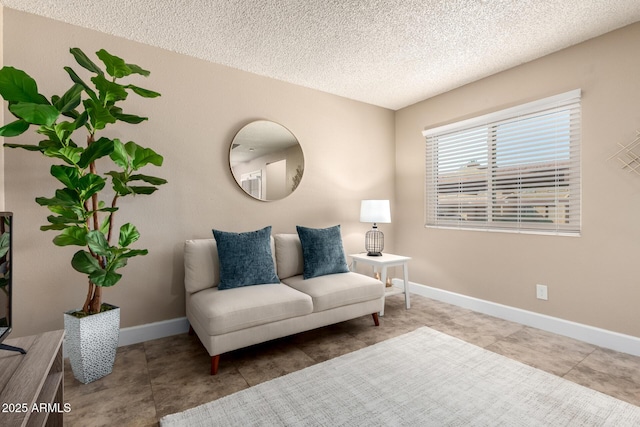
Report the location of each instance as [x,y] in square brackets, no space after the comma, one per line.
[80,214]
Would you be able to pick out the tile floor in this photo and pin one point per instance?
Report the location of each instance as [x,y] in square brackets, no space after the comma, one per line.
[168,375]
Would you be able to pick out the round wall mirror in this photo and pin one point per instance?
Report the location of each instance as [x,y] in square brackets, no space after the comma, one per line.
[266,160]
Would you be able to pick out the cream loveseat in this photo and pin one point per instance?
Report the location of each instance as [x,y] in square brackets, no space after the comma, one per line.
[296,300]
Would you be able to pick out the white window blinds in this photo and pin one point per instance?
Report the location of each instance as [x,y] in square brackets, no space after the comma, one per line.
[516,170]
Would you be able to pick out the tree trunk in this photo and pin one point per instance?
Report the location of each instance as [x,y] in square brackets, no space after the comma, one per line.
[94,197]
[96,301]
[87,302]
[94,296]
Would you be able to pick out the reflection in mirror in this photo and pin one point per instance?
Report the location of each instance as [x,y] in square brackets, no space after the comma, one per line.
[266,160]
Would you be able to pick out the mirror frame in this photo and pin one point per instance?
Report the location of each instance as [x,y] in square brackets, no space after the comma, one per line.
[266,149]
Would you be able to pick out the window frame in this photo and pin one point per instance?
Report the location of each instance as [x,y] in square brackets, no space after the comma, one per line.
[556,181]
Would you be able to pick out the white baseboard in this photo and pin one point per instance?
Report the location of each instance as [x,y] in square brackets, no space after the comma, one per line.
[150,331]
[597,336]
[153,331]
[600,337]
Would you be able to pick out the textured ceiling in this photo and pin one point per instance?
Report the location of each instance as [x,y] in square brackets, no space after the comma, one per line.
[390,53]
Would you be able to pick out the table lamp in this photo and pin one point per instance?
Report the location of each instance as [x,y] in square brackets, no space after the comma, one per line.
[375,211]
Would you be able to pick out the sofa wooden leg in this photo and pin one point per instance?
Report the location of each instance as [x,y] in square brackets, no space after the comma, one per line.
[215,361]
[191,331]
[375,319]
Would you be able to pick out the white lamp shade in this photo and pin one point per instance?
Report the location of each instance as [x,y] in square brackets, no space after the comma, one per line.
[375,211]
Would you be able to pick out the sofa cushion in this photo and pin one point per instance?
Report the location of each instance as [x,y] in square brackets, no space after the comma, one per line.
[336,290]
[322,251]
[245,258]
[201,264]
[240,308]
[289,260]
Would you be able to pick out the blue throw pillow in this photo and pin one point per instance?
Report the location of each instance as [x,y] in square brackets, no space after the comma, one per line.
[245,258]
[322,251]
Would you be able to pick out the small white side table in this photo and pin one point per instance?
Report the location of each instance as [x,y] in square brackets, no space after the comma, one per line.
[384,261]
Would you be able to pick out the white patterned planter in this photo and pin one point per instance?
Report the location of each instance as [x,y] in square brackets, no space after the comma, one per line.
[91,343]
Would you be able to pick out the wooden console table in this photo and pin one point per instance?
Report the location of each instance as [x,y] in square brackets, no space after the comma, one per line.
[31,385]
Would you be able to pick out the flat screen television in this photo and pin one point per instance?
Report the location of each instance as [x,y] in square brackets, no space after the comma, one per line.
[6,276]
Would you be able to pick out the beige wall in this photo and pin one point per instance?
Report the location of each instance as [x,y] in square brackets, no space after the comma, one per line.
[202,107]
[592,279]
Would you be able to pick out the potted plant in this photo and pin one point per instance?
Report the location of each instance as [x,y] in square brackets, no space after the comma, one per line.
[81,217]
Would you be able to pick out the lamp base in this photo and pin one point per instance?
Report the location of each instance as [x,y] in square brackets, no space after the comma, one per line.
[374,242]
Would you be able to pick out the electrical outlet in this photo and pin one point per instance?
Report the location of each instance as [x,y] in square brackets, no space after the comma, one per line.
[541,292]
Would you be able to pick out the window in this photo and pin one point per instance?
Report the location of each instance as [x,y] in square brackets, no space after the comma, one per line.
[513,170]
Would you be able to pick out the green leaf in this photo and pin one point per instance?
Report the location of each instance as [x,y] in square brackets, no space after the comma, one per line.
[76,79]
[104,278]
[89,185]
[134,252]
[109,91]
[96,150]
[14,128]
[131,148]
[70,100]
[135,69]
[84,61]
[61,222]
[119,154]
[144,156]
[83,262]
[64,198]
[70,155]
[98,243]
[18,86]
[54,227]
[119,182]
[116,67]
[72,114]
[50,132]
[73,235]
[28,147]
[145,93]
[99,116]
[51,144]
[63,131]
[104,227]
[118,262]
[67,175]
[142,189]
[128,235]
[132,156]
[74,211]
[127,118]
[37,114]
[81,120]
[148,179]
[69,215]
[51,147]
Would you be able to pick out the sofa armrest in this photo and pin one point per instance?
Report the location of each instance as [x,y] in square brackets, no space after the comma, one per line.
[201,265]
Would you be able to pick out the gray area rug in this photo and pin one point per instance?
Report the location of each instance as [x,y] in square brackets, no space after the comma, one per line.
[423,378]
